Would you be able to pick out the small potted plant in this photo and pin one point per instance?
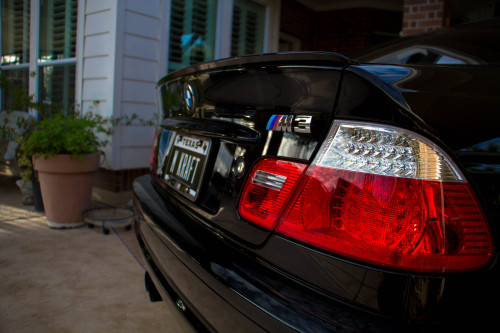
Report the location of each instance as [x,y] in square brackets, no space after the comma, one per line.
[65,152]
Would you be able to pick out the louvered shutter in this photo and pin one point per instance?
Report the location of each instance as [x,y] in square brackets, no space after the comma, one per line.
[58,29]
[58,20]
[15,31]
[248,28]
[192,32]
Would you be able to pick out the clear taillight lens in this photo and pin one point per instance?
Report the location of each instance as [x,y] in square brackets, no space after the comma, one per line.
[376,194]
[389,197]
[385,150]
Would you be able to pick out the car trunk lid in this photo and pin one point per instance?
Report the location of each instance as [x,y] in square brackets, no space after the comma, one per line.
[219,119]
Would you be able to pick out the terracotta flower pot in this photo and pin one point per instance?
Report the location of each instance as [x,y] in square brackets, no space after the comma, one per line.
[66,184]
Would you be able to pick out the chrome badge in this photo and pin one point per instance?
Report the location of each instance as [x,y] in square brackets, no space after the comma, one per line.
[288,123]
[189,99]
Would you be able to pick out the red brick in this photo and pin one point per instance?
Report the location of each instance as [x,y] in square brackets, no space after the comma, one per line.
[431,8]
[344,31]
[429,15]
[411,17]
[431,23]
[415,2]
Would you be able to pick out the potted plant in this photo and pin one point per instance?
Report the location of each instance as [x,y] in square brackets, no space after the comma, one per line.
[16,122]
[64,150]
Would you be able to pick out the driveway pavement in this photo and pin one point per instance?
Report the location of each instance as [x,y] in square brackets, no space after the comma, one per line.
[73,280]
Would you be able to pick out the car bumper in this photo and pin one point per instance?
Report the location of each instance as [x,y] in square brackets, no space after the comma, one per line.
[217,291]
[195,287]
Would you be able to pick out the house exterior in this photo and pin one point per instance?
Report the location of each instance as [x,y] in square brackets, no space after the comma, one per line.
[75,53]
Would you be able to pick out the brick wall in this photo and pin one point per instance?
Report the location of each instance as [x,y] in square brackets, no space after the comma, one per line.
[351,30]
[344,31]
[424,15]
[298,21]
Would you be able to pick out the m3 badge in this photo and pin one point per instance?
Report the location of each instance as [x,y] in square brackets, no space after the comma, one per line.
[289,123]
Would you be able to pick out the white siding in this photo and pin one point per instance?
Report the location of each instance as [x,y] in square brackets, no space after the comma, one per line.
[129,108]
[146,7]
[140,68]
[97,63]
[93,6]
[96,68]
[142,25]
[95,90]
[122,52]
[98,22]
[138,92]
[132,157]
[120,68]
[141,47]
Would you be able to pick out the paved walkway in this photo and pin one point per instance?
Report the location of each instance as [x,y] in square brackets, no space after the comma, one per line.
[73,280]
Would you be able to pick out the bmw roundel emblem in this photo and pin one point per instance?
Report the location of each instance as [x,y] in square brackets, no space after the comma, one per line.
[189,99]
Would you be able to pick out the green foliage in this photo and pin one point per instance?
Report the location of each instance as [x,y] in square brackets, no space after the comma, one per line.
[57,131]
[71,133]
[65,134]
[19,100]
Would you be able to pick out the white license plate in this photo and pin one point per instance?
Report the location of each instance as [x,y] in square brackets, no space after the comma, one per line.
[186,163]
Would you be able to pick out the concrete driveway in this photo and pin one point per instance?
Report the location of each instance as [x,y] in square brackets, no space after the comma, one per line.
[73,280]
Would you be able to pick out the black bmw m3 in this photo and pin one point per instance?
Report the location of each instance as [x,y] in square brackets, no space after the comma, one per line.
[313,192]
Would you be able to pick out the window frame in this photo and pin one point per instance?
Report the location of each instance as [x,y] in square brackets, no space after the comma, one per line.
[224,27]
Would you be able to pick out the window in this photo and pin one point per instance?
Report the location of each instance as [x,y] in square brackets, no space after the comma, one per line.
[57,86]
[56,57]
[14,52]
[15,32]
[57,29]
[52,63]
[192,32]
[14,86]
[248,28]
[202,30]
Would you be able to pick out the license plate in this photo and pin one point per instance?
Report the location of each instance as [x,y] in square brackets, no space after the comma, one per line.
[186,163]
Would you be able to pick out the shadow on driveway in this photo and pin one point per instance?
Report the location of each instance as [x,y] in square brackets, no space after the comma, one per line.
[73,280]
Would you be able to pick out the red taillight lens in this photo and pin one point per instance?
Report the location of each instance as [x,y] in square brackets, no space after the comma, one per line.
[410,224]
[267,189]
[154,151]
[377,194]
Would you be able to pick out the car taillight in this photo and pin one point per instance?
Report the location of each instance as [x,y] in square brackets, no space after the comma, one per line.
[387,197]
[267,190]
[154,151]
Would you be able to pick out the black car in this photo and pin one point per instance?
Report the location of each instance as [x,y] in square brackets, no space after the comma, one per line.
[311,192]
